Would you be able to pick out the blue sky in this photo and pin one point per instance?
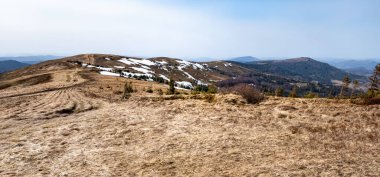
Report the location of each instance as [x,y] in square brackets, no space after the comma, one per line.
[196,28]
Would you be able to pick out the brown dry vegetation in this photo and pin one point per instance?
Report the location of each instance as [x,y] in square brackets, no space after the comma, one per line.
[76,125]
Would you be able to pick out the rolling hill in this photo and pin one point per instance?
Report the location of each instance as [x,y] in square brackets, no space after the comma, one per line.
[305,73]
[9,65]
[302,69]
[64,118]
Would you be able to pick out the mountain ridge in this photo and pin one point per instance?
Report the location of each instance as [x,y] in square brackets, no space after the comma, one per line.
[10,65]
[304,72]
[303,68]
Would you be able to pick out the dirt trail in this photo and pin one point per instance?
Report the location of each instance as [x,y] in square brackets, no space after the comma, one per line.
[47,105]
[60,79]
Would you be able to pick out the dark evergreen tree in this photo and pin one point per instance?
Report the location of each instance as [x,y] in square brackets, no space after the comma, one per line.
[171,87]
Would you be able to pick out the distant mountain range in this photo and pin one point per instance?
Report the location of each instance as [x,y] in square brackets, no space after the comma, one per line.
[347,64]
[31,59]
[358,67]
[245,59]
[361,71]
[10,65]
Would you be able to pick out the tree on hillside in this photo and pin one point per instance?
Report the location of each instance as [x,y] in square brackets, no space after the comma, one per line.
[356,86]
[293,93]
[345,83]
[374,80]
[171,87]
[279,91]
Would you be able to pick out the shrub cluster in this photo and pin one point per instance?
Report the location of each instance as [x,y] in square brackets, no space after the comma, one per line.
[248,92]
[206,89]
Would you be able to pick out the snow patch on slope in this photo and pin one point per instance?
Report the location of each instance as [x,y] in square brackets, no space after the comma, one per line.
[164,77]
[126,61]
[188,75]
[162,62]
[143,62]
[143,70]
[107,73]
[184,84]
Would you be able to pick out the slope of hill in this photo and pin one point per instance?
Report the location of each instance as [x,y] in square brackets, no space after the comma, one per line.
[189,74]
[303,69]
[9,65]
[164,67]
[61,119]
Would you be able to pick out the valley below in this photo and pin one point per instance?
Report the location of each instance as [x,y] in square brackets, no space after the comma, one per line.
[70,121]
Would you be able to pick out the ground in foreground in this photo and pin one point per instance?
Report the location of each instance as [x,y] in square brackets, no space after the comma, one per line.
[76,125]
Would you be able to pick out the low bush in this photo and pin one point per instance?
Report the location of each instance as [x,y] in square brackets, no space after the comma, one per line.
[128,89]
[212,89]
[371,101]
[209,98]
[311,95]
[248,92]
[279,92]
[149,90]
[369,98]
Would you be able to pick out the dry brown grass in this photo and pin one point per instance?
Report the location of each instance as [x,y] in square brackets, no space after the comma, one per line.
[81,130]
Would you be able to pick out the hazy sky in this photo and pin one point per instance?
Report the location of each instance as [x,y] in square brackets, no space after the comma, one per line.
[192,28]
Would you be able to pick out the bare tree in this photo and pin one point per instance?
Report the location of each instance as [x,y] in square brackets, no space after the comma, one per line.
[356,86]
